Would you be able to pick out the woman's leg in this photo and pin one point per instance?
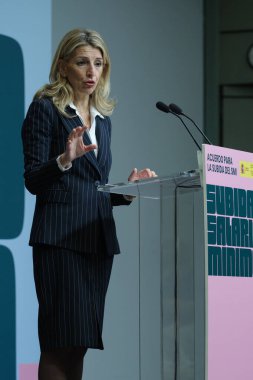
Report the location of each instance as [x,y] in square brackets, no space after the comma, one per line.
[75,368]
[62,364]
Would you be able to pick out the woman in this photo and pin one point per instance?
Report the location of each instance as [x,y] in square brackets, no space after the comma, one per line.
[66,138]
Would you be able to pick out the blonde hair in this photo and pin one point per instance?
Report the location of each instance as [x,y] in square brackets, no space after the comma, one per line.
[59,89]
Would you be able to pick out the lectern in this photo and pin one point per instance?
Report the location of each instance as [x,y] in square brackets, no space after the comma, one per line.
[172,276]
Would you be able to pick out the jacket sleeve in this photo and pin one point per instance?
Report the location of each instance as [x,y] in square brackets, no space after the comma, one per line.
[119,200]
[40,170]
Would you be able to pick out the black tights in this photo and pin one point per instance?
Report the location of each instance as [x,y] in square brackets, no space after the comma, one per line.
[62,364]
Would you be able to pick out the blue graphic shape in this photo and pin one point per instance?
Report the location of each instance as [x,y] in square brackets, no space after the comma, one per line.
[11,158]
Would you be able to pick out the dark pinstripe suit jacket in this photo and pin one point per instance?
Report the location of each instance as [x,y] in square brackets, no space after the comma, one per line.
[69,211]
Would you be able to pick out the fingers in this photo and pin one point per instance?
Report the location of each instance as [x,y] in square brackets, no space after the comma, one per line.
[76,132]
[90,147]
[75,146]
[133,175]
[146,173]
[142,174]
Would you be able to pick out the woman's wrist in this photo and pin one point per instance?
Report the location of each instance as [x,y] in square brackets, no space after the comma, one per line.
[64,161]
[63,164]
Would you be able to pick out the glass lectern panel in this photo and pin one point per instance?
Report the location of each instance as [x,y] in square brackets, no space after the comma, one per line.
[171,276]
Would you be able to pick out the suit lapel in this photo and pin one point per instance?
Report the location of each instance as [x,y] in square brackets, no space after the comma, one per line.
[90,155]
[102,140]
[98,137]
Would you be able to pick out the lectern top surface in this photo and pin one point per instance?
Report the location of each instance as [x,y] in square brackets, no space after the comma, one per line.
[155,186]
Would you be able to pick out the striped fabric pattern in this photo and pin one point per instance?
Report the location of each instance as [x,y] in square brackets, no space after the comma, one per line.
[71,289]
[69,212]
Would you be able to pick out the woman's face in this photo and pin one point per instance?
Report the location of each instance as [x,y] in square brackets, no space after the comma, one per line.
[83,70]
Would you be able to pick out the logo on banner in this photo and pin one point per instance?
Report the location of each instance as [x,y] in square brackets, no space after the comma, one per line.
[230,230]
[246,169]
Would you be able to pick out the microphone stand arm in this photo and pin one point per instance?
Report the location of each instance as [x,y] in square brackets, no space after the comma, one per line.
[202,133]
[175,114]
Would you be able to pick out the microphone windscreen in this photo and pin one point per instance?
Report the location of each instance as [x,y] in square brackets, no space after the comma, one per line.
[175,109]
[162,107]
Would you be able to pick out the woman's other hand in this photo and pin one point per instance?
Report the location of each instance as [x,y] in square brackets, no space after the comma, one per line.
[141,174]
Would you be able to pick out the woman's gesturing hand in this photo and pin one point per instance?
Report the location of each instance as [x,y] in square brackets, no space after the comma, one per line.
[142,174]
[75,147]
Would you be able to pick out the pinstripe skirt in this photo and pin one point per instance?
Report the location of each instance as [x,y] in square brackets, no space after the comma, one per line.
[71,289]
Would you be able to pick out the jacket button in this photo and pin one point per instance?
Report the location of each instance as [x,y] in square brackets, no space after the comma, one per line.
[97,183]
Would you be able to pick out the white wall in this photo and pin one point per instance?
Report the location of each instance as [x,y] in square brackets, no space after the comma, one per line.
[157,54]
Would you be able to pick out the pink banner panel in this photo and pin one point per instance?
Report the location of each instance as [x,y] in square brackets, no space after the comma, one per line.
[28,371]
[230,316]
[228,194]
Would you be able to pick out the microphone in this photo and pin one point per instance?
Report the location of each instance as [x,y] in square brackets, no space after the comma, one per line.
[173,108]
[164,108]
